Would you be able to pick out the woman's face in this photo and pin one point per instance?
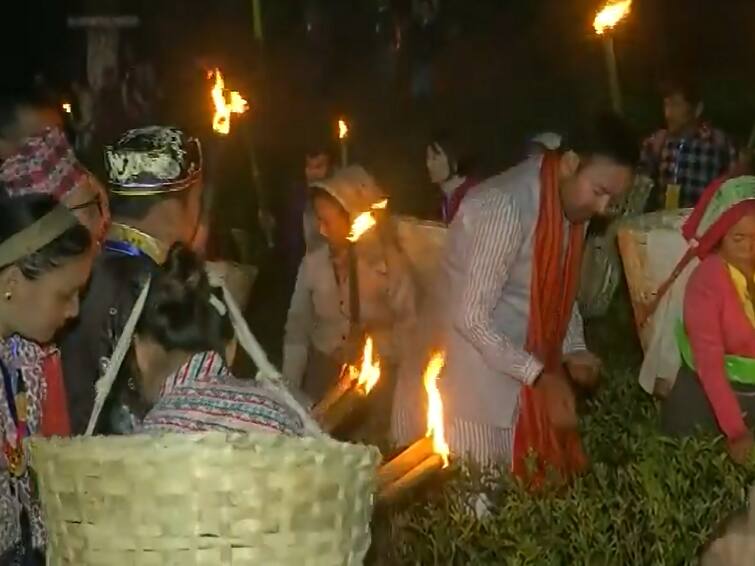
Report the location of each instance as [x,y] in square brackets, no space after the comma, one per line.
[438,166]
[38,308]
[333,221]
[738,245]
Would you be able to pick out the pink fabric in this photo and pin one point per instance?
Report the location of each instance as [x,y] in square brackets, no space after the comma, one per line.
[717,325]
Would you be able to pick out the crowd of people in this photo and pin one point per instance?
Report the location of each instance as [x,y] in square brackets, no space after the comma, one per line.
[75,257]
[77,254]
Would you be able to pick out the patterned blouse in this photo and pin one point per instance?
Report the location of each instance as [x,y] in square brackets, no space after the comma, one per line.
[204,396]
[22,373]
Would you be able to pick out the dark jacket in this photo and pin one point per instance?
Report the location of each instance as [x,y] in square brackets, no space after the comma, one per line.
[88,344]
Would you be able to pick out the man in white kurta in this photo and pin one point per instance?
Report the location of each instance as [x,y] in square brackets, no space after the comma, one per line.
[481,308]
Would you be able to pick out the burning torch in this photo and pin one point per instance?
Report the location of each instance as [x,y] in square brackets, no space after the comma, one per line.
[352,388]
[354,383]
[362,224]
[225,104]
[343,135]
[427,456]
[605,21]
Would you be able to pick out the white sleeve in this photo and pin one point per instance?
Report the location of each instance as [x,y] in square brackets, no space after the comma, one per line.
[495,237]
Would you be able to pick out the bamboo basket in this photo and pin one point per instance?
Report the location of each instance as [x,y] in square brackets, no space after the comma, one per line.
[209,499]
[423,242]
[647,264]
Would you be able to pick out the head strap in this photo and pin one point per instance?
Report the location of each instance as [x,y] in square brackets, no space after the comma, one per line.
[38,235]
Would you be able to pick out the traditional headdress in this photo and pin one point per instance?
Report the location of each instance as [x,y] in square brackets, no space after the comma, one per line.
[153,160]
[721,206]
[44,164]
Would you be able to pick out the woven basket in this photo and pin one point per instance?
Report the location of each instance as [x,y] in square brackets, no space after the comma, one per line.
[422,241]
[639,256]
[210,499]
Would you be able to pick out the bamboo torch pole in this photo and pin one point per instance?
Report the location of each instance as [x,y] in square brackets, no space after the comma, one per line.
[613,74]
[607,18]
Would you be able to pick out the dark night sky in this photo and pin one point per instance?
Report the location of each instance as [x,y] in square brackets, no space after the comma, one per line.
[509,64]
[34,34]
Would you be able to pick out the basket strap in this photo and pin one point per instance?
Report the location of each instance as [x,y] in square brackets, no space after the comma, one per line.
[105,383]
[267,374]
[652,306]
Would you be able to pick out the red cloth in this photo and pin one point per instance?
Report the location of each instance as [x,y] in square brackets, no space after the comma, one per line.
[689,229]
[555,279]
[55,421]
[452,203]
[717,325]
[705,242]
[714,234]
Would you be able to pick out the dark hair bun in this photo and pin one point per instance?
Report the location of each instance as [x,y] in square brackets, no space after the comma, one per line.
[179,313]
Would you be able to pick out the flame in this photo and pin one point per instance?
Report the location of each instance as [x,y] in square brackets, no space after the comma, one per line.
[343,129]
[66,107]
[611,14]
[368,374]
[362,224]
[435,427]
[365,221]
[226,103]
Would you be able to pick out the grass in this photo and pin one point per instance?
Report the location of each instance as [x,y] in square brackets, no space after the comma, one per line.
[647,499]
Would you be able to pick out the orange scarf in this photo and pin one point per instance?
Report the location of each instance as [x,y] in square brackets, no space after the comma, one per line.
[555,279]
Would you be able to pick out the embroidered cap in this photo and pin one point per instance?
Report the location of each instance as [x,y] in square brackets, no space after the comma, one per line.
[153,160]
[44,164]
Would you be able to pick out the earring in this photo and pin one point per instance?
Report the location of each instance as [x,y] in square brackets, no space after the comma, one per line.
[8,295]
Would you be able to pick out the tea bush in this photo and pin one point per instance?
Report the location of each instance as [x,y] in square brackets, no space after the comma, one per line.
[646,500]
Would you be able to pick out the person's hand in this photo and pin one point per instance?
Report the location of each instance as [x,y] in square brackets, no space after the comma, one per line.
[583,368]
[740,448]
[559,399]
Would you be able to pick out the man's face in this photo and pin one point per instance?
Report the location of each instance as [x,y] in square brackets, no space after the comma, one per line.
[679,113]
[593,187]
[316,167]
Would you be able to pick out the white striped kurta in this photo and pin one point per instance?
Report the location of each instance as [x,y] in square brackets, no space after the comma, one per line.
[481,305]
